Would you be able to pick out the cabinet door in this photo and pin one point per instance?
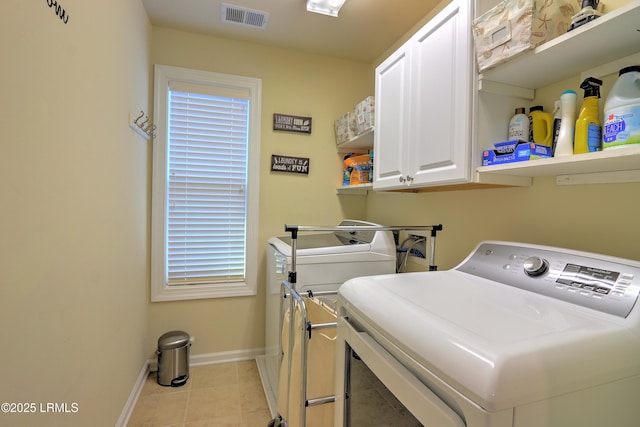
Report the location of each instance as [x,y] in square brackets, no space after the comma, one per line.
[392,89]
[442,91]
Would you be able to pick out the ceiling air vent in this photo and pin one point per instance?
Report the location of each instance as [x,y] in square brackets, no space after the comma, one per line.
[243,16]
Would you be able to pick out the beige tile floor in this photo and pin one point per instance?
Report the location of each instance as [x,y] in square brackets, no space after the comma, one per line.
[221,395]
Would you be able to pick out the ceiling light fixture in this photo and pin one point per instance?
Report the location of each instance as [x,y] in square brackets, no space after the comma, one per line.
[325,7]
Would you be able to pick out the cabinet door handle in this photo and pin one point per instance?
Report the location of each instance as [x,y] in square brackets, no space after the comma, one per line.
[402,179]
[409,178]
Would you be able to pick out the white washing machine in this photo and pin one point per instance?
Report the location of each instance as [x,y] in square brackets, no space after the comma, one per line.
[324,261]
[517,335]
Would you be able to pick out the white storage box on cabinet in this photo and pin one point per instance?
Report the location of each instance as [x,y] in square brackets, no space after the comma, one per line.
[423,105]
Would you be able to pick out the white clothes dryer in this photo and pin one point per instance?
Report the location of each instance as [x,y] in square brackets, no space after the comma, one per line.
[324,261]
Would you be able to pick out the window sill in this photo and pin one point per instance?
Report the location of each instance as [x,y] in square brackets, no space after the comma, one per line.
[190,292]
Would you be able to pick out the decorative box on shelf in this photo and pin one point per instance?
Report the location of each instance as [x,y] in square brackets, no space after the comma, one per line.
[514,27]
[365,115]
[345,128]
[355,123]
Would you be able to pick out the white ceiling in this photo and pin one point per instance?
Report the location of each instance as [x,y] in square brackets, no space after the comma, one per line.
[363,30]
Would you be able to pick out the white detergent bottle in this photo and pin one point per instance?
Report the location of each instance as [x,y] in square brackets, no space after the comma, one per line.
[519,126]
[622,111]
[564,147]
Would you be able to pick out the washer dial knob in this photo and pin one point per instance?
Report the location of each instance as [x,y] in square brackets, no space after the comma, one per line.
[535,266]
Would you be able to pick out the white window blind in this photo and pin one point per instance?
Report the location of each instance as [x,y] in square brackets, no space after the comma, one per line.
[207,181]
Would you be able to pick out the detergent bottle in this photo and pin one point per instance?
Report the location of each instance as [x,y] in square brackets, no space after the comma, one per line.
[541,126]
[564,146]
[622,111]
[519,126]
[557,119]
[588,126]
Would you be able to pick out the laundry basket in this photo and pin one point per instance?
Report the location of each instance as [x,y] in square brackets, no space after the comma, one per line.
[173,358]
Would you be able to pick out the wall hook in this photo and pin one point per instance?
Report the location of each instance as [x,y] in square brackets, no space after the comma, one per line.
[144,128]
[139,117]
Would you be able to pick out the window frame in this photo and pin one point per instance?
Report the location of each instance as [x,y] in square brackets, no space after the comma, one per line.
[160,290]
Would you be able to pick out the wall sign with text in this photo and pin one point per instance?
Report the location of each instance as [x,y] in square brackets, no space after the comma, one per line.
[289,164]
[287,123]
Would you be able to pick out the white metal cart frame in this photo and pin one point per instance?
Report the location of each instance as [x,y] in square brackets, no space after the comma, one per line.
[289,292]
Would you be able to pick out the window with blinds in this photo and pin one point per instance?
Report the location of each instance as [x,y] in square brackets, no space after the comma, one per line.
[207,191]
[207,177]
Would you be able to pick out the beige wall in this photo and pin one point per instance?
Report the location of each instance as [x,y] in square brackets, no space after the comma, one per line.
[595,218]
[77,324]
[73,222]
[292,83]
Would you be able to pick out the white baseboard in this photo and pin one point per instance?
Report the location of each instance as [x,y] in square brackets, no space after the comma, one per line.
[225,357]
[213,358]
[133,396]
[266,386]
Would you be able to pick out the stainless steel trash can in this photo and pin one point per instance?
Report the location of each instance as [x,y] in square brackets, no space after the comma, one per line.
[173,358]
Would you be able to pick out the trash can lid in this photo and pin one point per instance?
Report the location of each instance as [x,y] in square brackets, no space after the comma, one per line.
[173,339]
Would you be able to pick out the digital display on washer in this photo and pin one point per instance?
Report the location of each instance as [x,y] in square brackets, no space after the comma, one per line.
[589,278]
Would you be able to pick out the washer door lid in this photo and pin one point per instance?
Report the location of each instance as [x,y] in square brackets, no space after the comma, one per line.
[487,339]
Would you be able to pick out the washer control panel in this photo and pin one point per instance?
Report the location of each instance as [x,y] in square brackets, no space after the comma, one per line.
[600,282]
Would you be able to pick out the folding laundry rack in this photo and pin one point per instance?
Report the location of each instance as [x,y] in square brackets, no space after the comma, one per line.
[289,292]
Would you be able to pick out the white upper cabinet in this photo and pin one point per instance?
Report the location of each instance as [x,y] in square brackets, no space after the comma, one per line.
[391,135]
[424,104]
